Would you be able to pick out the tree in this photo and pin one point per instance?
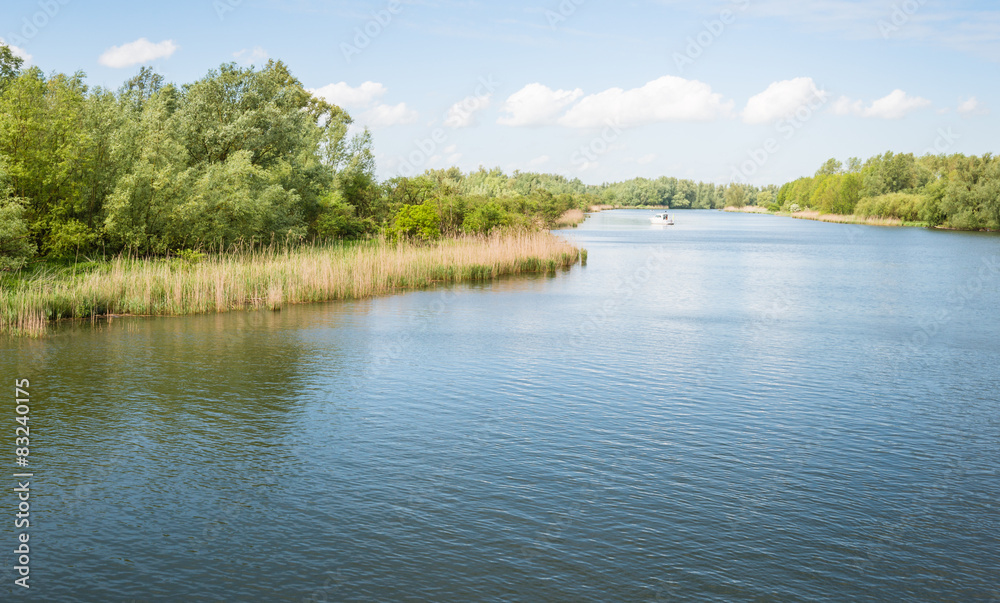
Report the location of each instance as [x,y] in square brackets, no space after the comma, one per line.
[736,196]
[418,222]
[16,247]
[10,66]
[830,168]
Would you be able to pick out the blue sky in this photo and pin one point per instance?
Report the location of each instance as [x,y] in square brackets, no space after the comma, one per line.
[762,91]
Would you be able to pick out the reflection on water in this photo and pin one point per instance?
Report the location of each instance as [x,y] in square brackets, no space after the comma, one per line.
[735,407]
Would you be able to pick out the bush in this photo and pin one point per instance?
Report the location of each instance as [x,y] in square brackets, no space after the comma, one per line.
[485,218]
[16,247]
[71,237]
[420,222]
[904,206]
[337,220]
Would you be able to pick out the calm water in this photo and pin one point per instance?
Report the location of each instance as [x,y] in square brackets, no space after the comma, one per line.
[735,408]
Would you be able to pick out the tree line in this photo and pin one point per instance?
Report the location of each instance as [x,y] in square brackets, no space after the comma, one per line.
[248,156]
[242,156]
[954,191]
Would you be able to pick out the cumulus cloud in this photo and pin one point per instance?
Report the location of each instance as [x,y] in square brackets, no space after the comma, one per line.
[782,99]
[845,106]
[536,105]
[135,53]
[365,99]
[893,106]
[249,56]
[540,160]
[383,115]
[463,113]
[343,94]
[668,98]
[972,107]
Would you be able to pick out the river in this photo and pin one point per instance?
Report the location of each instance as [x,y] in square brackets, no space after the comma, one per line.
[737,407]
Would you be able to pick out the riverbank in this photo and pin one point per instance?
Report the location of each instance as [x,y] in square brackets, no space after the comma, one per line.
[747,209]
[600,208]
[852,219]
[834,218]
[34,298]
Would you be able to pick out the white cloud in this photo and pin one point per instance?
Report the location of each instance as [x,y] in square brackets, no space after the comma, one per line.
[134,53]
[365,99]
[845,106]
[646,159]
[344,95]
[893,106]
[782,99]
[972,107]
[383,115]
[668,98]
[250,56]
[463,113]
[536,105]
[541,160]
[17,51]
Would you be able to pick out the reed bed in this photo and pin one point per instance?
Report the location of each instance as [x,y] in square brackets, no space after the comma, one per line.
[747,209]
[572,218]
[271,278]
[848,219]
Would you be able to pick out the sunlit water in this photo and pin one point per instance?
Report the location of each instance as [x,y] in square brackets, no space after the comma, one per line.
[736,407]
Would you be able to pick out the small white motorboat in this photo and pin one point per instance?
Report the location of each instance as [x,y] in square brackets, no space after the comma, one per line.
[663,218]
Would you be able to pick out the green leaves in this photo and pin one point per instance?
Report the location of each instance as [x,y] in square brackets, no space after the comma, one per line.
[16,247]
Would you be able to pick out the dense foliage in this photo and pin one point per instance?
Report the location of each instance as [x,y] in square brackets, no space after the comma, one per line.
[954,191]
[243,156]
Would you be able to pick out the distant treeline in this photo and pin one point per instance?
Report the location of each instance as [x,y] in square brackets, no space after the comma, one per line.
[955,191]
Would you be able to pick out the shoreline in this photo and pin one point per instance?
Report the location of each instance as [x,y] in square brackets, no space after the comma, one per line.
[831,218]
[270,279]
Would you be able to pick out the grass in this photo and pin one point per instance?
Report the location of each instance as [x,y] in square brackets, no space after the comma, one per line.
[747,209]
[853,219]
[836,218]
[270,278]
[571,219]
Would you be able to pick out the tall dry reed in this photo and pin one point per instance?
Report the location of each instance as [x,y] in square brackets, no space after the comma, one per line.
[271,278]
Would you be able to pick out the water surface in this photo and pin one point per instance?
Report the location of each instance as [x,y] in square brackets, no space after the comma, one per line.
[736,407]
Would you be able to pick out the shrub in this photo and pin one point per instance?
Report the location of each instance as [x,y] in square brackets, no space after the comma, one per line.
[420,222]
[16,247]
[485,218]
[904,206]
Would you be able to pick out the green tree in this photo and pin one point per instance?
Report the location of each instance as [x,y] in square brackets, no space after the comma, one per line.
[416,222]
[16,246]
